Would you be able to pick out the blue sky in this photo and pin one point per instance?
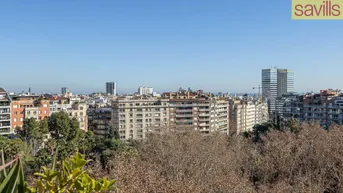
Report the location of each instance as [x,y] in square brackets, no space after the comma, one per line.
[218,45]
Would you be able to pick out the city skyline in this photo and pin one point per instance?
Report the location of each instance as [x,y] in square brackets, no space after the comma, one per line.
[207,45]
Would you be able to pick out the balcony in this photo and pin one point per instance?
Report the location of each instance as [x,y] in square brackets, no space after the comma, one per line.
[184,115]
[205,110]
[5,124]
[183,110]
[189,105]
[5,104]
[204,124]
[5,131]
[5,111]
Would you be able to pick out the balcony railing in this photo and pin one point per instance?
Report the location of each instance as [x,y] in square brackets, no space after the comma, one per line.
[184,115]
[183,110]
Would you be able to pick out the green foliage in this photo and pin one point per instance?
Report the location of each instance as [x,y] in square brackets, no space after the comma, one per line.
[70,178]
[59,125]
[31,130]
[14,180]
[44,125]
[112,133]
[13,148]
[108,148]
[258,131]
[293,125]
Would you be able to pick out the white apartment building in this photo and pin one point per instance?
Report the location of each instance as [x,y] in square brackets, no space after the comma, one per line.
[5,113]
[245,114]
[145,90]
[135,117]
[203,113]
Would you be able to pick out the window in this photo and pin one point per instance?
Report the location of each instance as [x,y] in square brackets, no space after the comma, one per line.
[21,119]
[15,106]
[15,113]
[81,108]
[45,105]
[44,112]
[15,120]
[81,114]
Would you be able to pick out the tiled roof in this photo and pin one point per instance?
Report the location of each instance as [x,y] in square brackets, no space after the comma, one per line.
[2,90]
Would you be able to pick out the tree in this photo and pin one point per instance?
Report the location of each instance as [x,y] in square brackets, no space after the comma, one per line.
[44,126]
[30,130]
[112,133]
[33,133]
[86,142]
[293,125]
[75,132]
[59,125]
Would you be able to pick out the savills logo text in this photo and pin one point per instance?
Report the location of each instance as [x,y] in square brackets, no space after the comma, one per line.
[317,9]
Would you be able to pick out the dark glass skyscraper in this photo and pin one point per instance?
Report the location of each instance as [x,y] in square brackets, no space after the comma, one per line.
[111,88]
[275,83]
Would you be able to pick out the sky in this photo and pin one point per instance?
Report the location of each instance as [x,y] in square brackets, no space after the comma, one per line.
[217,45]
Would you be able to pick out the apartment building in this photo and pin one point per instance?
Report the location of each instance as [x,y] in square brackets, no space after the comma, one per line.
[58,104]
[290,106]
[78,110]
[325,107]
[28,107]
[99,121]
[199,111]
[142,90]
[5,113]
[246,113]
[134,117]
